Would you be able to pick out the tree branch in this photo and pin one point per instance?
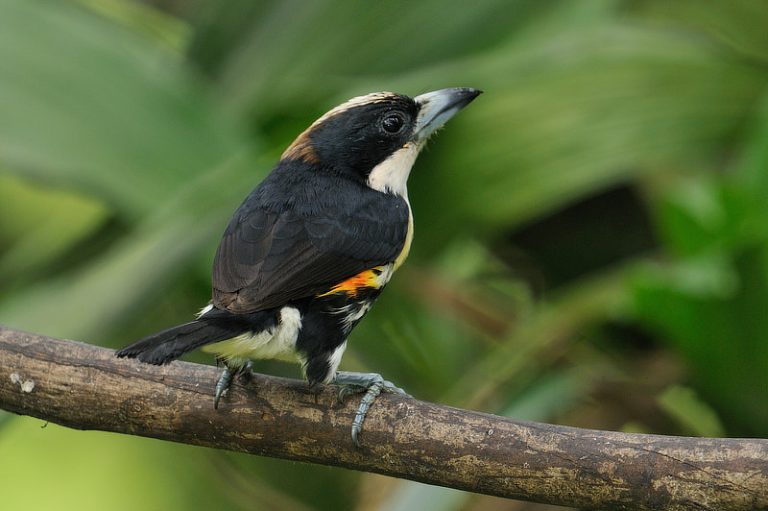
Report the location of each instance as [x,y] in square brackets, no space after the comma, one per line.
[86,387]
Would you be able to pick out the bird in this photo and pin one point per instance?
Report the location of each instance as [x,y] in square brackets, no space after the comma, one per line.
[311,248]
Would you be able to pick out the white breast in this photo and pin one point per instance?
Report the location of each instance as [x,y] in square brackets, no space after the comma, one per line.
[391,175]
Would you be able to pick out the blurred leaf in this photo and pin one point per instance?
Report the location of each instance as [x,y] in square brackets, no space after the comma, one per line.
[705,277]
[91,470]
[725,338]
[325,43]
[710,303]
[701,214]
[409,495]
[692,216]
[750,173]
[257,490]
[143,18]
[39,225]
[97,299]
[737,23]
[545,332]
[85,103]
[296,487]
[545,134]
[552,395]
[693,414]
[5,419]
[635,427]
[419,348]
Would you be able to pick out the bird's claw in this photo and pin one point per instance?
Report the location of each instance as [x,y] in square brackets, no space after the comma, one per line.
[245,373]
[371,384]
[347,390]
[222,385]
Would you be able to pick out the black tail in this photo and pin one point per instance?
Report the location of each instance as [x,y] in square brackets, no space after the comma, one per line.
[214,326]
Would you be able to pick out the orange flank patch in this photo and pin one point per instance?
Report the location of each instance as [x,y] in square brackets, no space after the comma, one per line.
[368,279]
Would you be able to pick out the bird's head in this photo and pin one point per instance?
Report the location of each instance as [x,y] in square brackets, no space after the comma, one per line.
[376,138]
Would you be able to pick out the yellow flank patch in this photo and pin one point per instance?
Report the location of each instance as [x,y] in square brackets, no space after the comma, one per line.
[368,279]
[408,240]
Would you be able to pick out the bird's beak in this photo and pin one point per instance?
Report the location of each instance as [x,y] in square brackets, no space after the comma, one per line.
[436,107]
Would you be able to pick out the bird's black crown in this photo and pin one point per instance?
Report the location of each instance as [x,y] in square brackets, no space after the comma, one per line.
[358,135]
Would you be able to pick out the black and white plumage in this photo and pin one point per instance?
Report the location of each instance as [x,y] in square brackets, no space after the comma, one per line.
[311,248]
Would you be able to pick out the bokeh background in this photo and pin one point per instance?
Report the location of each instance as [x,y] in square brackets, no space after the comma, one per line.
[591,234]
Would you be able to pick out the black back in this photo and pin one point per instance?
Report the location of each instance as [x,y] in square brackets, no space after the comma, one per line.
[304,229]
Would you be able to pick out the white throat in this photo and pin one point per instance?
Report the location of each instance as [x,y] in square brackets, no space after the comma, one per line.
[391,175]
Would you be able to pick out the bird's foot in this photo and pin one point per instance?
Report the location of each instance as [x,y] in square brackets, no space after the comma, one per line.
[243,372]
[372,384]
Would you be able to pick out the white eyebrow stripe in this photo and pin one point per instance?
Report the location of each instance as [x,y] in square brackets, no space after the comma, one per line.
[367,99]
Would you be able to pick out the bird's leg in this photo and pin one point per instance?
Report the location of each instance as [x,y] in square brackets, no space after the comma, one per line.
[372,384]
[244,372]
[222,385]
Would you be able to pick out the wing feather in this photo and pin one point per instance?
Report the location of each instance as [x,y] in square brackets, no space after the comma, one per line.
[277,249]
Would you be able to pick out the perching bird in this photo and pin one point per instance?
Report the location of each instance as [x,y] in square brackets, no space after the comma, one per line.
[311,248]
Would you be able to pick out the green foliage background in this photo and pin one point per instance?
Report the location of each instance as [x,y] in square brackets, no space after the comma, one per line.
[591,234]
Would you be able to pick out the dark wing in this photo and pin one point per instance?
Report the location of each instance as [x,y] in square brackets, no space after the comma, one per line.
[267,258]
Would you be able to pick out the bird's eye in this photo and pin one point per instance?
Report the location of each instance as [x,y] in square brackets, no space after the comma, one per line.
[392,123]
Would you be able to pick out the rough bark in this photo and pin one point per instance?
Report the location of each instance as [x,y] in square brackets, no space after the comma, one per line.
[86,387]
